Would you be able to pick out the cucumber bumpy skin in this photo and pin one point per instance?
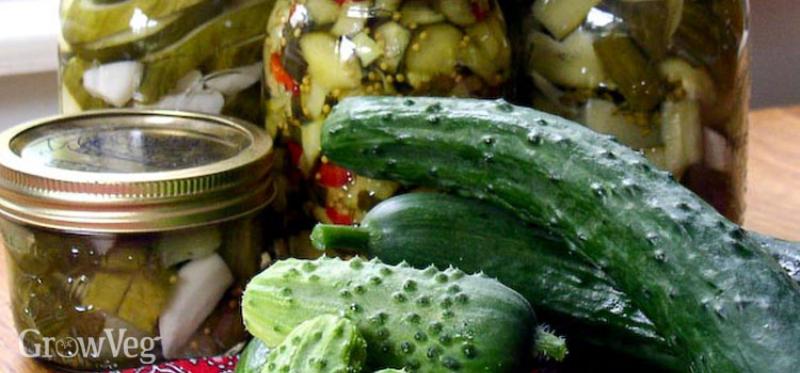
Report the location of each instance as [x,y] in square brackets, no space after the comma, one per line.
[421,320]
[439,229]
[720,300]
[425,229]
[324,344]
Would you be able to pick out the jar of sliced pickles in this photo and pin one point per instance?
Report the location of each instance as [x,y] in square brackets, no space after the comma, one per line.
[668,77]
[198,55]
[319,51]
[130,235]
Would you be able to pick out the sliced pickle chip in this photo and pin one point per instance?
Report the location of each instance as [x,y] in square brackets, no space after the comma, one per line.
[332,63]
[651,23]
[562,17]
[682,134]
[322,12]
[168,65]
[395,39]
[630,128]
[419,12]
[89,21]
[459,12]
[571,63]
[136,43]
[434,51]
[637,78]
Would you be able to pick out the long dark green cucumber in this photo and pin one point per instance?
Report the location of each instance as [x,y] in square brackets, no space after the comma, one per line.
[720,300]
[425,229]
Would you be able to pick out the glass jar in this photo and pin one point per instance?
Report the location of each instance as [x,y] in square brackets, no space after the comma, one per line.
[133,229]
[319,51]
[668,77]
[197,55]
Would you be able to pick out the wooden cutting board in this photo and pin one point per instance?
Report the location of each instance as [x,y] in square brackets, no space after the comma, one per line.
[773,200]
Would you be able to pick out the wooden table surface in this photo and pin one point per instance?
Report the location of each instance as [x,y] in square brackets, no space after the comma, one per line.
[773,206]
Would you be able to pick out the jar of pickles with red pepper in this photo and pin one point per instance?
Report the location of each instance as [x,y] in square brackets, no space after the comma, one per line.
[320,51]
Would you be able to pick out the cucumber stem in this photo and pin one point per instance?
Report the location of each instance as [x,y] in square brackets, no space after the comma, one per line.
[548,345]
[329,236]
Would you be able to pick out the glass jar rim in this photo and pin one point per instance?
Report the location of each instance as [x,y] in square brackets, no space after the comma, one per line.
[83,183]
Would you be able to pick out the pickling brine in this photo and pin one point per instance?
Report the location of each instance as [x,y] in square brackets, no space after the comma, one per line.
[195,55]
[135,228]
[668,77]
[319,51]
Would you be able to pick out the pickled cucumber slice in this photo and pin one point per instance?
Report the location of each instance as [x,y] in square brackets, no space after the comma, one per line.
[136,43]
[21,245]
[72,86]
[562,17]
[352,18]
[434,51]
[311,133]
[88,21]
[694,82]
[488,53]
[181,246]
[322,12]
[332,63]
[115,82]
[106,291]
[419,12]
[458,12]
[244,53]
[165,67]
[128,258]
[367,49]
[636,77]
[651,23]
[395,40]
[571,63]
[632,129]
[146,297]
[386,7]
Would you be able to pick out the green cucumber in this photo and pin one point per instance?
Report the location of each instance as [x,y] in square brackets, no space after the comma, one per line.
[720,300]
[253,358]
[323,344]
[425,229]
[432,229]
[421,320]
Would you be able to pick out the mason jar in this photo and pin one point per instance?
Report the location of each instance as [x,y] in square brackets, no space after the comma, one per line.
[320,51]
[667,77]
[129,235]
[197,55]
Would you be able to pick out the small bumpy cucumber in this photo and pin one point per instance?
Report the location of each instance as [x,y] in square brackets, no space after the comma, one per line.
[421,320]
[324,344]
[722,303]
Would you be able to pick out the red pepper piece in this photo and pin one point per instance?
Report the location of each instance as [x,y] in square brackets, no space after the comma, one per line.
[479,13]
[295,152]
[333,176]
[281,75]
[338,217]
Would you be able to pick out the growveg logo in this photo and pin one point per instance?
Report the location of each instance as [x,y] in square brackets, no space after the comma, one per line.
[111,344]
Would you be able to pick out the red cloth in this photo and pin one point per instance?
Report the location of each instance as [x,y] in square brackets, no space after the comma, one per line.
[220,364]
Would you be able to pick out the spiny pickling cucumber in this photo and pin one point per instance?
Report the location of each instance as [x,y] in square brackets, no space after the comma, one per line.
[425,229]
[422,320]
[722,303]
[326,343]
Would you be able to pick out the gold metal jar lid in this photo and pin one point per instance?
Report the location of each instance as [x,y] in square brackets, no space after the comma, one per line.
[126,171]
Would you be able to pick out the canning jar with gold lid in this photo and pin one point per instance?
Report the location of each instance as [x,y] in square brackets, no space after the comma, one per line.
[131,228]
